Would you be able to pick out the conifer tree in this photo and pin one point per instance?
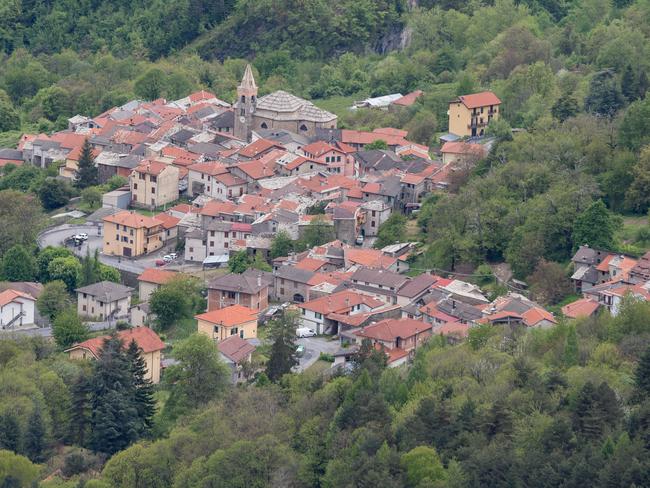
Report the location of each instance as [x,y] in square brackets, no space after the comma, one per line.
[9,432]
[87,174]
[629,84]
[587,418]
[283,349]
[80,410]
[114,418]
[143,397]
[642,375]
[571,348]
[35,436]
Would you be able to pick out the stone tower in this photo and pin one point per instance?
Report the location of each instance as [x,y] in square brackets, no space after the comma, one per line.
[245,105]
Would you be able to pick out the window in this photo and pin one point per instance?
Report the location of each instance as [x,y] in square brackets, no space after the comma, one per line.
[234,331]
[117,237]
[303,311]
[216,329]
[319,315]
[131,232]
[374,213]
[135,186]
[264,126]
[372,223]
[303,128]
[243,99]
[225,245]
[208,188]
[226,234]
[211,243]
[241,333]
[281,291]
[153,179]
[191,249]
[338,159]
[83,308]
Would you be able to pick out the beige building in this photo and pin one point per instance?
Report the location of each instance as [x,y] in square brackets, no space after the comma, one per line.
[153,184]
[151,279]
[150,345]
[469,115]
[222,323]
[278,110]
[131,234]
[105,300]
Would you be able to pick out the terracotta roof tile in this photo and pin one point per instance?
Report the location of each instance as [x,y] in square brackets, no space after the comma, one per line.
[157,276]
[585,307]
[132,219]
[146,339]
[481,99]
[229,316]
[389,330]
[235,348]
[9,296]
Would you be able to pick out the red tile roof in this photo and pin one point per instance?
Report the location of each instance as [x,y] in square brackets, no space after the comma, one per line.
[151,168]
[481,99]
[412,179]
[132,219]
[235,348]
[229,316]
[310,264]
[585,307]
[228,179]
[453,329]
[318,148]
[258,147]
[258,169]
[214,208]
[157,276]
[211,168]
[341,302]
[408,99]
[391,131]
[168,221]
[201,95]
[460,147]
[535,315]
[9,296]
[146,339]
[388,330]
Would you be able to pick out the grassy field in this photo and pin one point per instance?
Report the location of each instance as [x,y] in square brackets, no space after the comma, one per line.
[337,105]
[634,235]
[319,367]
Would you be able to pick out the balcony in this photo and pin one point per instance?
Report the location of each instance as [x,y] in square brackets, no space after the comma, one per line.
[475,125]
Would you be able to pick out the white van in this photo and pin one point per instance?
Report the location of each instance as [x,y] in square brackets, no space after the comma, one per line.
[305,332]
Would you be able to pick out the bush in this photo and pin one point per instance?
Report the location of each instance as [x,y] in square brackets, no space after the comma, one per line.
[326,357]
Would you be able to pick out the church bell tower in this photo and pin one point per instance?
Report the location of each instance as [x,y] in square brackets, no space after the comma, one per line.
[245,105]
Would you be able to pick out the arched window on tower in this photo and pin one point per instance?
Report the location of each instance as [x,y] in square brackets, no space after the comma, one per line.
[253,99]
[303,128]
[243,99]
[264,126]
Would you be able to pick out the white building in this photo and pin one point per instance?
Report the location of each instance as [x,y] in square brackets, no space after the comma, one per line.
[16,309]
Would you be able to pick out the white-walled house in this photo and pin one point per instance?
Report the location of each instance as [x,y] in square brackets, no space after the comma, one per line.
[105,300]
[16,309]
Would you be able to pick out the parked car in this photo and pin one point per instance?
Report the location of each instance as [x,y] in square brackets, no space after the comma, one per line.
[83,236]
[173,255]
[167,258]
[359,240]
[300,350]
[160,262]
[305,332]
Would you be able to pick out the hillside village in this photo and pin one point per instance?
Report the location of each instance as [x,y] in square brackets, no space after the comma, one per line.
[209,181]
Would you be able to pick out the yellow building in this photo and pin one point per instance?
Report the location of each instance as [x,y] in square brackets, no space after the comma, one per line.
[131,234]
[150,345]
[153,184]
[225,322]
[469,115]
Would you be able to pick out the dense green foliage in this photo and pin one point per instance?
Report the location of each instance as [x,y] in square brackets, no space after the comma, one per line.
[178,299]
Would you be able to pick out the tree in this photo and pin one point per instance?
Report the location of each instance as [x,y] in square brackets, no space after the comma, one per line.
[45,257]
[17,471]
[391,231]
[281,245]
[177,299]
[53,193]
[637,197]
[378,144]
[87,173]
[630,84]
[150,85]
[200,375]
[571,352]
[114,417]
[642,374]
[260,263]
[145,403]
[21,218]
[9,432]
[318,232]
[68,329]
[422,463]
[91,197]
[116,182]
[18,264]
[594,227]
[565,107]
[634,131]
[35,441]
[53,299]
[66,270]
[604,98]
[282,334]
[9,118]
[239,262]
[549,282]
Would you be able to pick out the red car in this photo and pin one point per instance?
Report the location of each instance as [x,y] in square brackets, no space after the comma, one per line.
[160,262]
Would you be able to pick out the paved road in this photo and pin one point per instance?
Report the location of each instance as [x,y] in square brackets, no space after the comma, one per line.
[57,235]
[313,347]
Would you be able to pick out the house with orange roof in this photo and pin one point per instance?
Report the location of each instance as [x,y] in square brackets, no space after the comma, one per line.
[221,323]
[151,279]
[153,184]
[236,351]
[409,99]
[469,115]
[584,307]
[314,313]
[201,175]
[130,234]
[516,309]
[16,309]
[258,149]
[612,298]
[170,225]
[150,345]
[399,338]
[461,152]
[302,165]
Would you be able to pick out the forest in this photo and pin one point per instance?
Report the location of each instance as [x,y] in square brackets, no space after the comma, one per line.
[565,407]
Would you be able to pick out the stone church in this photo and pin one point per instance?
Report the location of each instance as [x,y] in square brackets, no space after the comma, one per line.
[277,110]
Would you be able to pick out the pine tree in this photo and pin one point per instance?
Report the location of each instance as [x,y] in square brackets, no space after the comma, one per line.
[87,174]
[283,349]
[629,84]
[587,419]
[642,375]
[35,436]
[87,273]
[114,418]
[80,410]
[144,400]
[9,432]
[571,348]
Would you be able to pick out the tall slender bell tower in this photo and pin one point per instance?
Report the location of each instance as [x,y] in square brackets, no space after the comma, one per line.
[245,105]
